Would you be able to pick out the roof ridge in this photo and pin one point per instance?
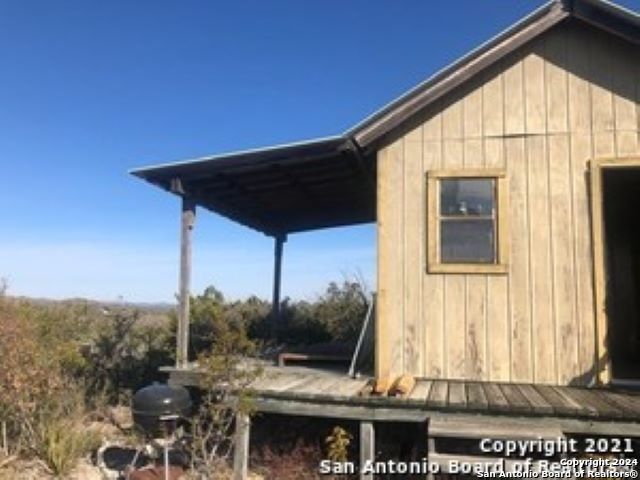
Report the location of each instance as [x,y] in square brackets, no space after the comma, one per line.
[603,14]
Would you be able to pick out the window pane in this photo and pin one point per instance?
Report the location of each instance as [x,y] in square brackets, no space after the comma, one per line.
[467,196]
[467,241]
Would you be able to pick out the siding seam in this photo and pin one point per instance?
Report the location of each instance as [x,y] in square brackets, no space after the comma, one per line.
[550,220]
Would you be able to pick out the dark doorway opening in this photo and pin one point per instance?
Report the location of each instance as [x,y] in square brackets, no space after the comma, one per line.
[621,196]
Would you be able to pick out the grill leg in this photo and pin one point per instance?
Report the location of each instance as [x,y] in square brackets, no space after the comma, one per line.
[166,460]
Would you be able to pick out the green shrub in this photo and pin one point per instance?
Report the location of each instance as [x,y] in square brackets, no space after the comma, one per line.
[336,315]
[40,402]
[227,372]
[124,355]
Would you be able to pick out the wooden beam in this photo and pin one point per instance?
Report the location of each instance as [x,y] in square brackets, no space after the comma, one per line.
[364,166]
[286,357]
[367,448]
[187,222]
[343,410]
[241,447]
[277,283]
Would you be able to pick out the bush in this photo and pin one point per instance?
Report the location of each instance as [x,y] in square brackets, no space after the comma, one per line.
[42,406]
[227,372]
[124,356]
[58,358]
[336,315]
[300,461]
[343,308]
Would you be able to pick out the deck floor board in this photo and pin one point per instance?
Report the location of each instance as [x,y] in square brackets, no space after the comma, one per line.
[348,388]
[590,399]
[630,405]
[517,401]
[537,401]
[420,393]
[496,399]
[438,396]
[476,397]
[285,383]
[560,404]
[318,386]
[582,409]
[457,395]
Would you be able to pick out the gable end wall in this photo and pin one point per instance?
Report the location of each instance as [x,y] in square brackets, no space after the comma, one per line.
[542,114]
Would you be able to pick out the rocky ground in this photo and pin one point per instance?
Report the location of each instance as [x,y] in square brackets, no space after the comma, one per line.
[113,430]
[33,470]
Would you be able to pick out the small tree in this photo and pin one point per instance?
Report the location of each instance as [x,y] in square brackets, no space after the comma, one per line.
[227,372]
[342,309]
[125,355]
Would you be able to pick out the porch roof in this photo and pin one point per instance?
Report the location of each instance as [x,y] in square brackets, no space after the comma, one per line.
[278,190]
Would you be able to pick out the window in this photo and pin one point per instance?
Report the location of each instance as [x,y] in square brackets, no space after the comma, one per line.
[467,221]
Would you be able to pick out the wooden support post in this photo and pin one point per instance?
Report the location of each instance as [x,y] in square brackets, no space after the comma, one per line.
[187,222]
[367,448]
[241,447]
[277,283]
[5,442]
[431,450]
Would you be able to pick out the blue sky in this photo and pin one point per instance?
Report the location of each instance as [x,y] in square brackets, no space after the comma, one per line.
[92,89]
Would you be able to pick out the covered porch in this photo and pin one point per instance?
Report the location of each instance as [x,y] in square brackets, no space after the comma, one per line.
[277,191]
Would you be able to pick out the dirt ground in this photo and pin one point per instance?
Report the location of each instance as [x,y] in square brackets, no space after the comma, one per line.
[31,470]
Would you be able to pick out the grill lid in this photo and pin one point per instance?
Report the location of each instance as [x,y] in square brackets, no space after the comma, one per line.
[159,399]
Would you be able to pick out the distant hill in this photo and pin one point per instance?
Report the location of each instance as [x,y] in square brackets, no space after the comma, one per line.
[149,312]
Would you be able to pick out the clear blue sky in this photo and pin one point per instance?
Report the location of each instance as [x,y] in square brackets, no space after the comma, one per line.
[92,89]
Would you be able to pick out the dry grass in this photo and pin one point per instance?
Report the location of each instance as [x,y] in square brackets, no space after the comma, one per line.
[65,442]
[301,461]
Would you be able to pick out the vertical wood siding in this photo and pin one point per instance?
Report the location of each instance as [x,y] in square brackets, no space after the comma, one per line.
[542,113]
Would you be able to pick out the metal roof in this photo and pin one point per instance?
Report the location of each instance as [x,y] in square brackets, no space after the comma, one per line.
[330,182]
[278,190]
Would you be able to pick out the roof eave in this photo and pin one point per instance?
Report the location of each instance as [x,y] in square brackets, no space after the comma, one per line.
[237,157]
[189,179]
[375,129]
[609,17]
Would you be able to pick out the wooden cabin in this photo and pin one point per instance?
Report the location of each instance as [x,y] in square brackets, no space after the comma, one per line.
[503,249]
[503,190]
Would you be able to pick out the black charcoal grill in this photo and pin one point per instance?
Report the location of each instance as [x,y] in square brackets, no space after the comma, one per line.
[158,407]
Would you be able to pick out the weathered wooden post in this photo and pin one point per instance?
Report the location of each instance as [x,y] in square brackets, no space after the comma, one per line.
[241,447]
[187,222]
[367,448]
[5,442]
[277,282]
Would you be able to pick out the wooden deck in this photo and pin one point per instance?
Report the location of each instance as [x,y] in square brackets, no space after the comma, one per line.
[304,391]
[451,395]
